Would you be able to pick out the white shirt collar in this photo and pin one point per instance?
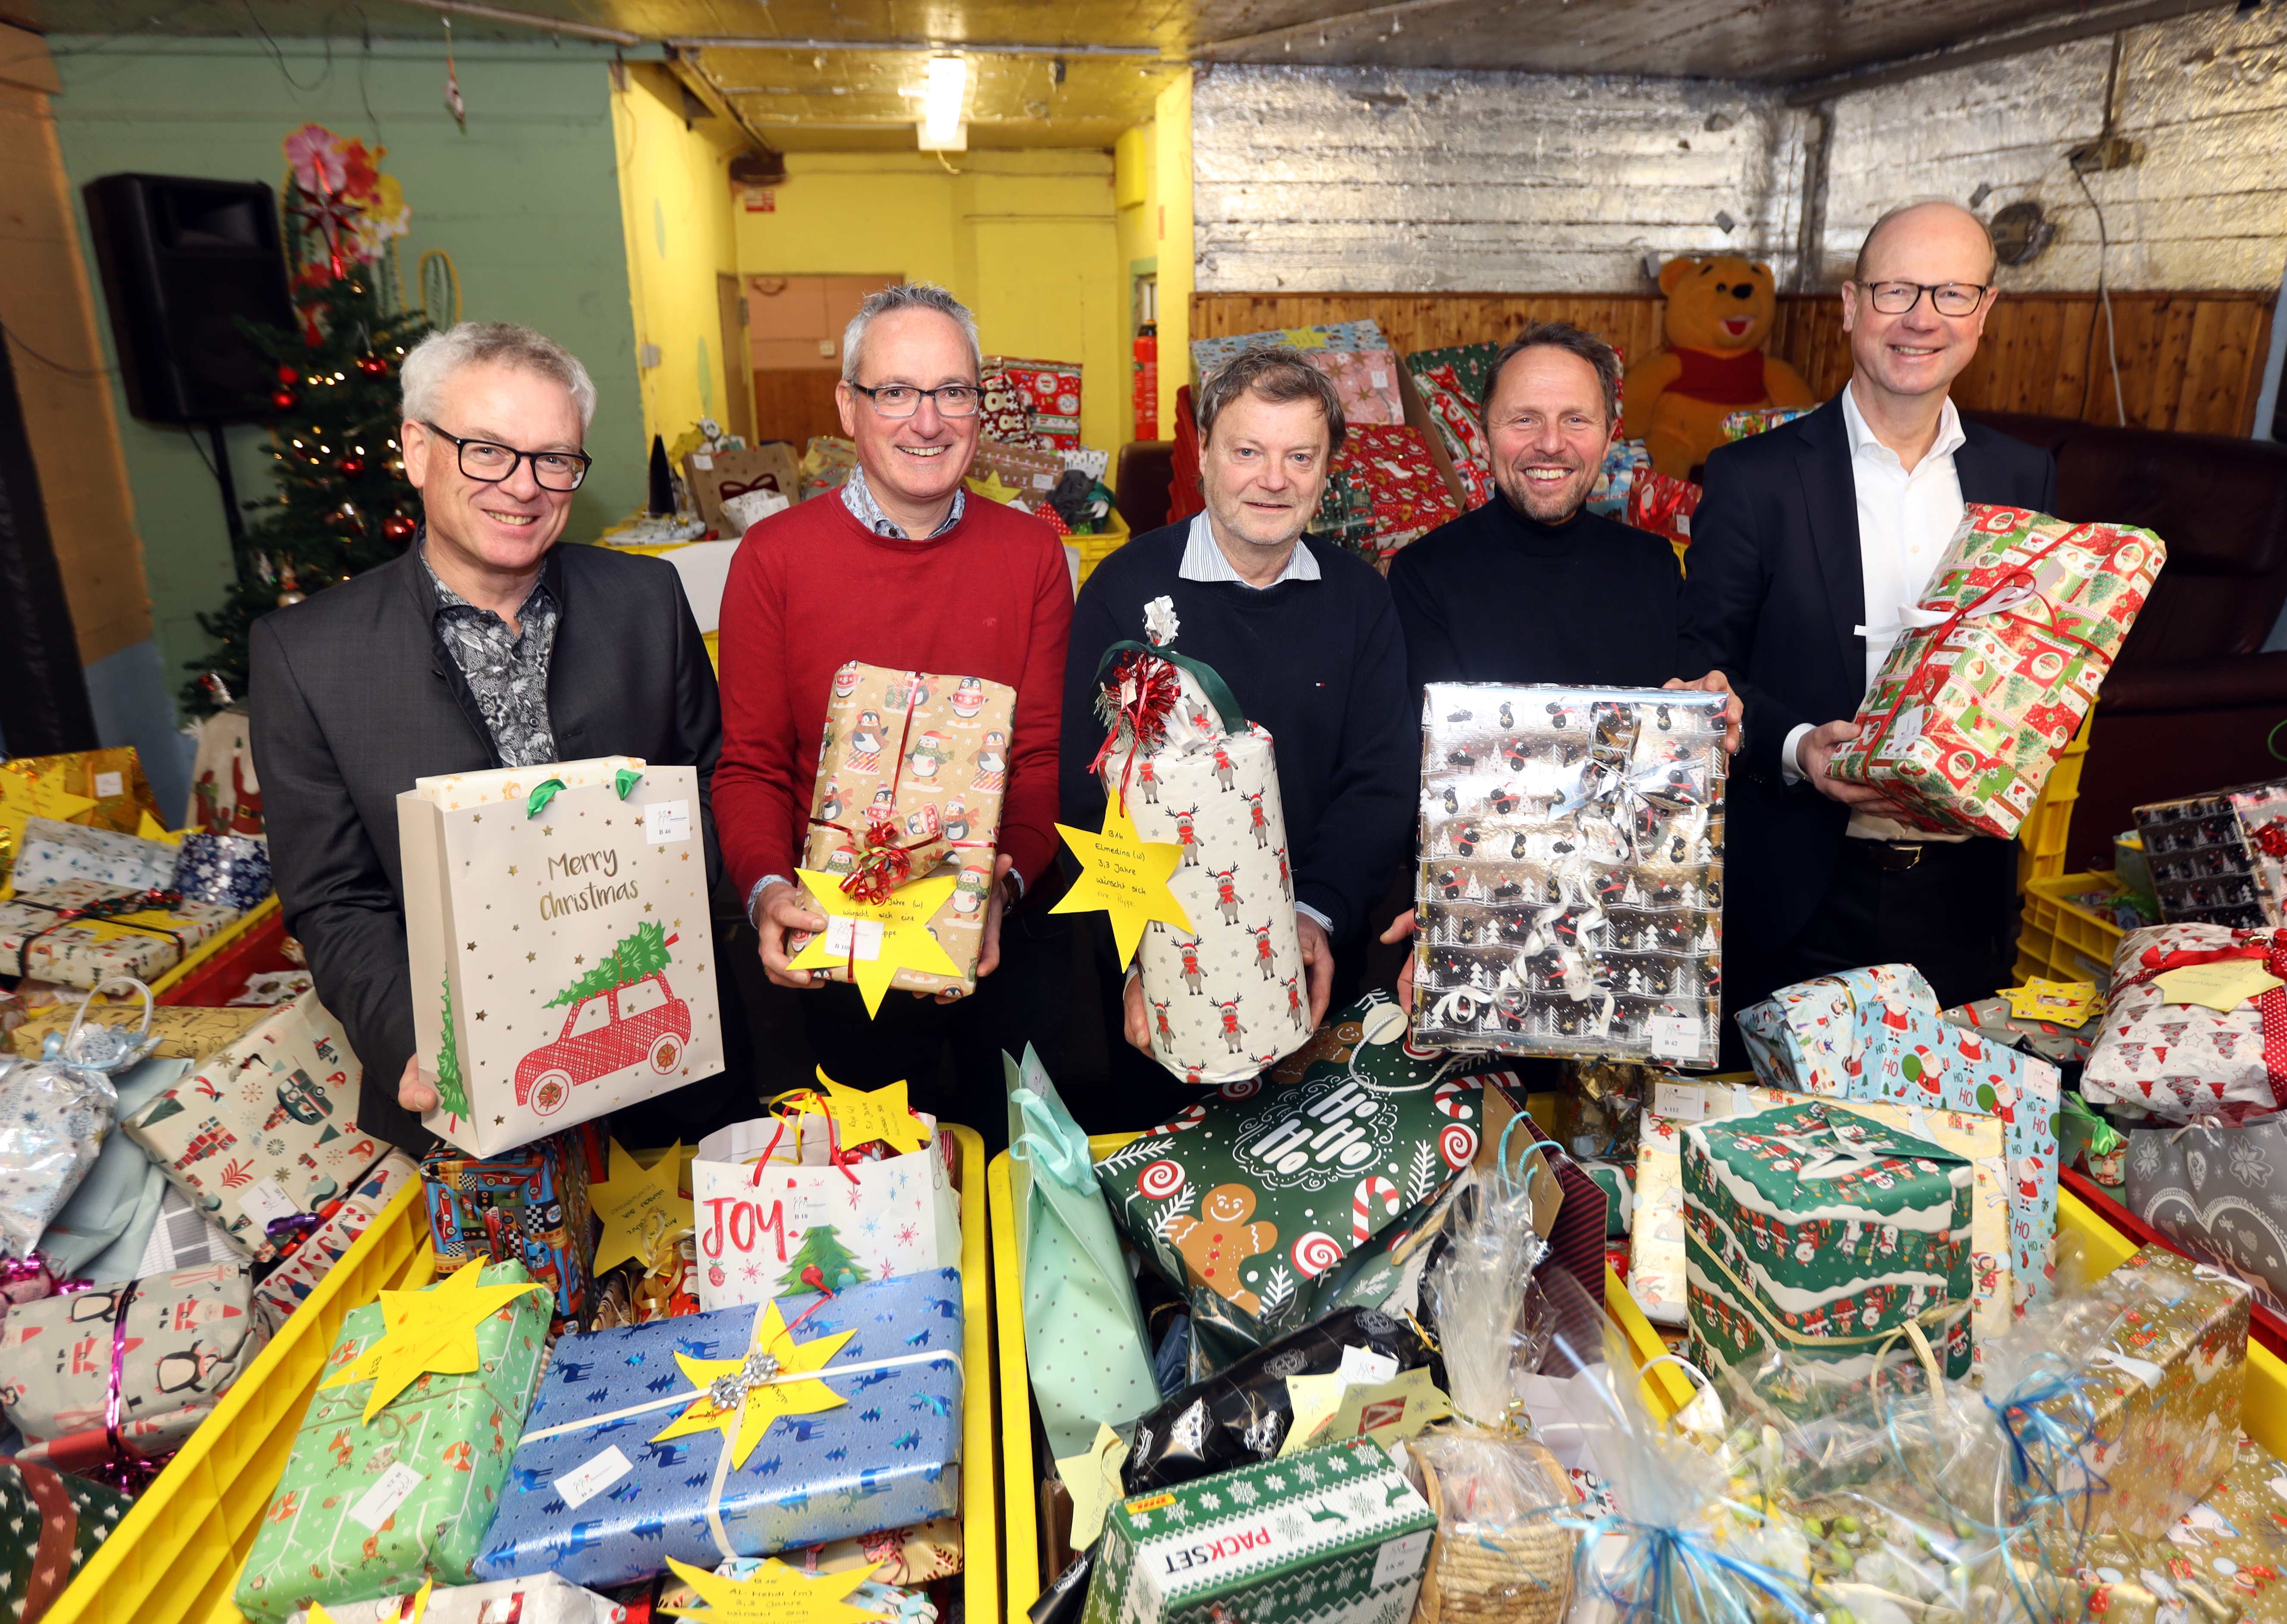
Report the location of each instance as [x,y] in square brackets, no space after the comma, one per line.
[1203,560]
[1949,437]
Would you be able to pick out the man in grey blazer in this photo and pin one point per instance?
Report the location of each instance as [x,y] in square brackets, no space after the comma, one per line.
[485,645]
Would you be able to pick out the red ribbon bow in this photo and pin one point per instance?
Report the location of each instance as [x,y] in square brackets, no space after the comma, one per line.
[2272,953]
[882,865]
[1142,694]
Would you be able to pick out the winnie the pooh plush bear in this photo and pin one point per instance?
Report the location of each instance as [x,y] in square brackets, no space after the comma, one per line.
[1719,313]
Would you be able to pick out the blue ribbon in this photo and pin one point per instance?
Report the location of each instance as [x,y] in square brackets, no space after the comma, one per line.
[1668,1567]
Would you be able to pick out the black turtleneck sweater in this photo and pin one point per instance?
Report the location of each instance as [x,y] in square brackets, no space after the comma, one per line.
[1496,595]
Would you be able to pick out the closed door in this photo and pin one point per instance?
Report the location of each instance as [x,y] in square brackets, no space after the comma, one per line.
[737,381]
[794,343]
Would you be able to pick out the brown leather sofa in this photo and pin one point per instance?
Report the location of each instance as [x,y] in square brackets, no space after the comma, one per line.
[2193,703]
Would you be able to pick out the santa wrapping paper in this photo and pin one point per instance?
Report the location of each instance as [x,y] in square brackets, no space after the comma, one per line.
[1996,667]
[562,962]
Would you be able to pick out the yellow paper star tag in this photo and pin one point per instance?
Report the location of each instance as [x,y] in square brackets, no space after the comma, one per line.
[741,1397]
[430,1330]
[2223,986]
[775,1593]
[640,1207]
[1387,1411]
[2068,1003]
[875,941]
[860,1118]
[149,828]
[1303,337]
[1092,1478]
[1125,875]
[994,488]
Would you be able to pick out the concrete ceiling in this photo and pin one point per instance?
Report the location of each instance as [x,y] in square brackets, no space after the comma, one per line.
[1075,73]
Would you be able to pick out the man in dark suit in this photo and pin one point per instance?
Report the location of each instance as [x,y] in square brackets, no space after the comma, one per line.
[485,645]
[1810,541]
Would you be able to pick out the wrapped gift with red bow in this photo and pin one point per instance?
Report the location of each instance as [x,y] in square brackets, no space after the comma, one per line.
[1663,505]
[1997,666]
[2166,1055]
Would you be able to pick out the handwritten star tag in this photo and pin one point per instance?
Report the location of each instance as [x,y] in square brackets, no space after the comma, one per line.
[2068,1003]
[430,1330]
[1092,1478]
[1125,875]
[775,1593]
[860,1118]
[2223,986]
[741,1397]
[873,940]
[640,1206]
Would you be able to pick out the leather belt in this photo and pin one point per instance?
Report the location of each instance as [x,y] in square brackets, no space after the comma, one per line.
[1892,856]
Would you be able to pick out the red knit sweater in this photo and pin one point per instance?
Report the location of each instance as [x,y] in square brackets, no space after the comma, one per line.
[812,587]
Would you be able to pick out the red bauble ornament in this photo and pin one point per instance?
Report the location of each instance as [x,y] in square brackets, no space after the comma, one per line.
[351,466]
[287,375]
[373,366]
[282,399]
[399,527]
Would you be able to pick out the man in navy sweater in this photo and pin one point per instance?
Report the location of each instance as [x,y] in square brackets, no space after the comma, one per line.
[1309,641]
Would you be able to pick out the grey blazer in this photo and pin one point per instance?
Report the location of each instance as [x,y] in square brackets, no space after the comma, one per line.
[353,697]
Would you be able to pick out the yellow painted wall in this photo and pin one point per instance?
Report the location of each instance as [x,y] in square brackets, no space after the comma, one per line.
[676,205]
[1171,212]
[1026,239]
[1136,187]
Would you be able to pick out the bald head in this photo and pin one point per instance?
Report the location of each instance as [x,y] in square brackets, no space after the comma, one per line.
[1933,229]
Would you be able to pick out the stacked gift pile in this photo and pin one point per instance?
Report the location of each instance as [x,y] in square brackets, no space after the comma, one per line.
[1383,491]
[1032,404]
[2219,858]
[1354,355]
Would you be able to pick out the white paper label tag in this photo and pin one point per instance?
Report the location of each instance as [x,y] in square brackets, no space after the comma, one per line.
[1674,1035]
[704,461]
[1401,1558]
[265,1200]
[1908,727]
[591,1479]
[1043,482]
[1380,378]
[109,784]
[1366,1367]
[388,1492]
[853,939]
[666,822]
[1683,1102]
[1684,526]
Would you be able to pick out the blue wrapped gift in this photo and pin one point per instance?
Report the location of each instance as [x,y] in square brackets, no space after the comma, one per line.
[632,1450]
[227,871]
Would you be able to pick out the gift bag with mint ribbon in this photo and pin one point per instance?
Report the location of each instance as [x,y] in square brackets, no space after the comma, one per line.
[562,962]
[1087,1354]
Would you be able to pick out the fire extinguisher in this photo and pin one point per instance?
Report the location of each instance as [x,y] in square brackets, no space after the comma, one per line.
[1147,381]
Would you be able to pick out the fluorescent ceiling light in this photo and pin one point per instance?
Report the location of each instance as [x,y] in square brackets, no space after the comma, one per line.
[943,91]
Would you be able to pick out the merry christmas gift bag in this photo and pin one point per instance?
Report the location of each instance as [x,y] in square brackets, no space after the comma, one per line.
[1227,997]
[902,824]
[1997,666]
[563,961]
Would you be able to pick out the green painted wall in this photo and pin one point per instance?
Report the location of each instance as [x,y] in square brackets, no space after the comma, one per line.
[526,201]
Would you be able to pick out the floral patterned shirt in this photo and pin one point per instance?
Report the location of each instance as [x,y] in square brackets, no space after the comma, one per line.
[507,671]
[858,498]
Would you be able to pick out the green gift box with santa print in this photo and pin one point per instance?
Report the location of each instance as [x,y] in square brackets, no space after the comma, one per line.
[557,928]
[1815,1233]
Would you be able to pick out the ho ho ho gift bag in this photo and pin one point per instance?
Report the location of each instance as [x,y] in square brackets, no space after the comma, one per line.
[562,962]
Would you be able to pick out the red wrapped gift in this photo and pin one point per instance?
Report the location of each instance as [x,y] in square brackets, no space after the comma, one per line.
[1032,403]
[1391,462]
[1663,505]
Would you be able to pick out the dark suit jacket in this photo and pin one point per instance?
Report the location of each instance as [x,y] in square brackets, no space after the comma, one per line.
[1772,592]
[353,697]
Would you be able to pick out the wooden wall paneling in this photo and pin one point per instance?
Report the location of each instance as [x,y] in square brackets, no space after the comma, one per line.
[793,403]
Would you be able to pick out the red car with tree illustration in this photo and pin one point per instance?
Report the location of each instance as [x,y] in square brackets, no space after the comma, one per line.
[623,1014]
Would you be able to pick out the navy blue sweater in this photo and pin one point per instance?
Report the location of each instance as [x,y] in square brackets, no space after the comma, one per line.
[1321,664]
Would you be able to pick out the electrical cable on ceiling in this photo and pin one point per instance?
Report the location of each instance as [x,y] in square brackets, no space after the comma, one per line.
[284,71]
[2103,250]
[16,338]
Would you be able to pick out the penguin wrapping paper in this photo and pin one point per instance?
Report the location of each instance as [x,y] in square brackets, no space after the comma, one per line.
[184,1338]
[1874,1036]
[848,1422]
[1230,995]
[370,1508]
[37,941]
[915,765]
[563,962]
[265,1129]
[1569,899]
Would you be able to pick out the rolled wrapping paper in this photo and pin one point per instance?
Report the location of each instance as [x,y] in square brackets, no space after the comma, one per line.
[227,871]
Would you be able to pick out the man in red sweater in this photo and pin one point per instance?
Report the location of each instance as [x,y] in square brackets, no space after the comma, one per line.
[901,568]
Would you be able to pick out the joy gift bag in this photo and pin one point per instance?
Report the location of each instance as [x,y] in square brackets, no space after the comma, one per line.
[1996,667]
[563,964]
[1227,996]
[1087,1352]
[902,823]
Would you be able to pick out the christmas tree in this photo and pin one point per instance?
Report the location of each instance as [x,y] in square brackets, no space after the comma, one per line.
[342,505]
[642,953]
[821,1250]
[450,1094]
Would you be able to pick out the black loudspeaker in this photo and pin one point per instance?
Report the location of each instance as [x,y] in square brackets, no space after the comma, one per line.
[184,262]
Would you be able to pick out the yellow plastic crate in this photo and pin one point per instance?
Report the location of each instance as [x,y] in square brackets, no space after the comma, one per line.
[2061,940]
[221,941]
[1094,549]
[2042,836]
[175,1557]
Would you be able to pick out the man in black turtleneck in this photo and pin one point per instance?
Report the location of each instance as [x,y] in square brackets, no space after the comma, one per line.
[1531,587]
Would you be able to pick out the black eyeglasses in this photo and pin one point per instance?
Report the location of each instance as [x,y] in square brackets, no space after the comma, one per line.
[1947,299]
[903,400]
[481,459]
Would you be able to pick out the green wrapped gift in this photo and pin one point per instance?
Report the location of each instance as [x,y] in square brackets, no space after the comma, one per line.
[1826,1233]
[369,1508]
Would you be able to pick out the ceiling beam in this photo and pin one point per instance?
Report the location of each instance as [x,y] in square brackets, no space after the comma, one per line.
[1394,12]
[697,82]
[1810,92]
[990,48]
[529,20]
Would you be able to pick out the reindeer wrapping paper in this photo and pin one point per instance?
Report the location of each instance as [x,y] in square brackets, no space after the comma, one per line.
[1570,892]
[1229,997]
[562,960]
[368,1508]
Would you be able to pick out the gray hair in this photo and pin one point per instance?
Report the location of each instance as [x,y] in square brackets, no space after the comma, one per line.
[1572,340]
[1858,265]
[906,296]
[437,358]
[1278,373]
